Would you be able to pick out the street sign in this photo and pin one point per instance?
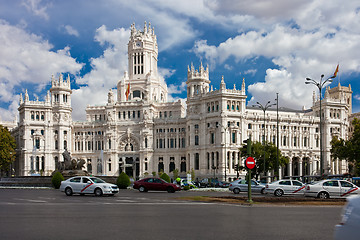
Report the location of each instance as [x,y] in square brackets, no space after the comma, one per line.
[250,163]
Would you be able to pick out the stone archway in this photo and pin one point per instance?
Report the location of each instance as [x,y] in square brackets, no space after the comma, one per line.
[129,158]
[306,166]
[296,166]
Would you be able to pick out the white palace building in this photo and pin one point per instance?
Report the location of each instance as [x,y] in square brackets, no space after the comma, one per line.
[140,132]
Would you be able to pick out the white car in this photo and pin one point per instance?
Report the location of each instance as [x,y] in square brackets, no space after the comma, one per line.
[87,185]
[331,188]
[285,187]
[349,226]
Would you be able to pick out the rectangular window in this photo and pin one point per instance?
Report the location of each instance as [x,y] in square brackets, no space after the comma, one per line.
[37,143]
[197,161]
[233,137]
[196,139]
[212,139]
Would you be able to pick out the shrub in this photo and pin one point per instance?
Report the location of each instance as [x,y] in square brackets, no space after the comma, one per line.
[165,177]
[176,173]
[123,181]
[56,180]
[187,187]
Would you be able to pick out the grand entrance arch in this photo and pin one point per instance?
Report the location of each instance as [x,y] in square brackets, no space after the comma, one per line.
[130,165]
[129,158]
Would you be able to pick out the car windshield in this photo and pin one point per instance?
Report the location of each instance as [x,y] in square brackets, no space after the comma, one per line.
[97,180]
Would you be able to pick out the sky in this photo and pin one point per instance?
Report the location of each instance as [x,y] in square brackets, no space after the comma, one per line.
[273,44]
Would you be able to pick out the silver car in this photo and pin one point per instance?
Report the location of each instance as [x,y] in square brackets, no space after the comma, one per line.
[285,187]
[331,188]
[241,185]
[87,185]
[349,226]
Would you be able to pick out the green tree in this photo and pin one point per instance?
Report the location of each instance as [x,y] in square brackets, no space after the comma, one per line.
[348,149]
[7,149]
[257,152]
[175,173]
[165,177]
[192,174]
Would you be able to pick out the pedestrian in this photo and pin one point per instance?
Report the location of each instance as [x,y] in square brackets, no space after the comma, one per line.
[178,181]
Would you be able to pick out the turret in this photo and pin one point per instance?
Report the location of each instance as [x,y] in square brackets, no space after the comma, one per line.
[61,91]
[197,81]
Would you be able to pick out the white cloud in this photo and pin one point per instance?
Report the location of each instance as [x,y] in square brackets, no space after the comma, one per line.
[228,67]
[176,89]
[37,8]
[251,72]
[297,53]
[106,70]
[27,59]
[71,31]
[357,97]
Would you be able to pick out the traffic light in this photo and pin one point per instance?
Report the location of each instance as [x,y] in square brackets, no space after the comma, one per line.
[247,146]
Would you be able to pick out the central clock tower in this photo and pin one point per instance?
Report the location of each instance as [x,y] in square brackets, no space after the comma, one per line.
[142,81]
[142,52]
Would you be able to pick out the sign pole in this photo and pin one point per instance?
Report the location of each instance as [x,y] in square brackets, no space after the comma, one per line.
[249,167]
[249,186]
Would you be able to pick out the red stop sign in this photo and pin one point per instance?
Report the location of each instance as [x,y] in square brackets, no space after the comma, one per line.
[250,163]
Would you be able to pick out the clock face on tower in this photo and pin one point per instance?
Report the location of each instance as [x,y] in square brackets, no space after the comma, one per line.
[138,44]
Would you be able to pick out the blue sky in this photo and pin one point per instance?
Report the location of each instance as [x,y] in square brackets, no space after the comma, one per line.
[274,45]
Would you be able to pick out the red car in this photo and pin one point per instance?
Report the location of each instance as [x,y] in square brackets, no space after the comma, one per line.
[155,184]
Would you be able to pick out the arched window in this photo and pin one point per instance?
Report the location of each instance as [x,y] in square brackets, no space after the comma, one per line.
[183,164]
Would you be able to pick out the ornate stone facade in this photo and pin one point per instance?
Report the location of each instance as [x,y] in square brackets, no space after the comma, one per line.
[141,132]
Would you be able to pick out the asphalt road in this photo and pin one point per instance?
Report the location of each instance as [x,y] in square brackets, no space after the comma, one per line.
[49,214]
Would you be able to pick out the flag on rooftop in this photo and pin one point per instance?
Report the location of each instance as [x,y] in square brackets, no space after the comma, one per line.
[127,93]
[336,71]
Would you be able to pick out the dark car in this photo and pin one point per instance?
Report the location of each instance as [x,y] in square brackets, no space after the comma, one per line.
[155,184]
[213,182]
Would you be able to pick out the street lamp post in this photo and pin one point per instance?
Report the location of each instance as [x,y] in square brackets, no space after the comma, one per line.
[277,174]
[264,108]
[320,85]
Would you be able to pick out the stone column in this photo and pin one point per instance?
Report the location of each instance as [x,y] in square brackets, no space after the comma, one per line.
[289,173]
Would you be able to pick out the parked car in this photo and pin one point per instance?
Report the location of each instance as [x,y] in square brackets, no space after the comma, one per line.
[331,188]
[156,184]
[285,187]
[241,185]
[213,182]
[87,185]
[349,226]
[185,182]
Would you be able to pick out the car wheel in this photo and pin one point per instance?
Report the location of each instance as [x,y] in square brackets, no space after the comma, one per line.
[142,189]
[323,195]
[170,190]
[262,191]
[236,190]
[98,192]
[278,192]
[68,191]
